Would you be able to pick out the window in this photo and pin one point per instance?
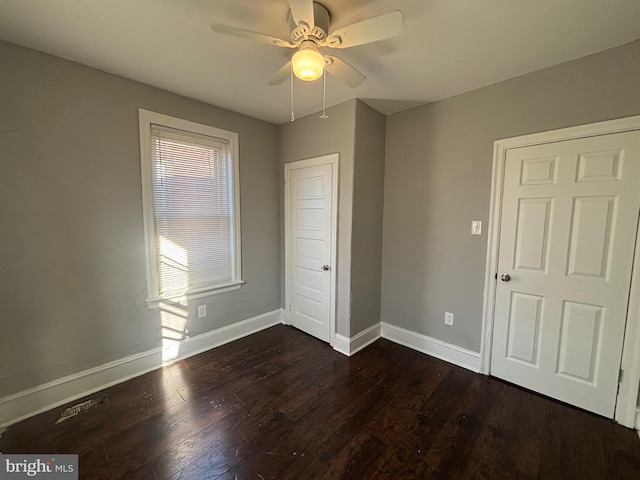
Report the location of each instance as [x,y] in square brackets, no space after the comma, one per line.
[191,208]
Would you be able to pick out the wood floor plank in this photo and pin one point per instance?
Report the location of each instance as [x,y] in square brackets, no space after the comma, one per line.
[621,452]
[402,411]
[494,455]
[458,438]
[401,460]
[207,454]
[357,458]
[280,404]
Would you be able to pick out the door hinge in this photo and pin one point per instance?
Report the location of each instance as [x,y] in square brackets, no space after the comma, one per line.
[620,374]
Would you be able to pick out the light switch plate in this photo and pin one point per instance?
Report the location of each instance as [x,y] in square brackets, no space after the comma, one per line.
[448,318]
[476,227]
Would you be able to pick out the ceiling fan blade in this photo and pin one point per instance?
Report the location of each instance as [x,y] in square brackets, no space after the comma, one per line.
[344,71]
[261,37]
[281,75]
[367,31]
[302,11]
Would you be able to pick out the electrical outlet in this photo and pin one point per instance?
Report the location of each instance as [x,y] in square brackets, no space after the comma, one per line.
[476,227]
[448,318]
[202,311]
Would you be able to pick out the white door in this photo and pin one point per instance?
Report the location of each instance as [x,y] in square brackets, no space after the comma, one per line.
[567,235]
[311,224]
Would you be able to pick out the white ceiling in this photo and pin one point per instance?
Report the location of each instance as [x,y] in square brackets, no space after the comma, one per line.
[448,46]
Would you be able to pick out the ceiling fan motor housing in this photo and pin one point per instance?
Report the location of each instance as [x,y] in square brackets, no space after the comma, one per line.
[310,26]
[319,31]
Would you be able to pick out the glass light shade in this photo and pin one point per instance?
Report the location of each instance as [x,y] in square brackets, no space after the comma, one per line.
[308,64]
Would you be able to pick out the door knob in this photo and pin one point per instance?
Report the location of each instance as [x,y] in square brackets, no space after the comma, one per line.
[325,267]
[505,277]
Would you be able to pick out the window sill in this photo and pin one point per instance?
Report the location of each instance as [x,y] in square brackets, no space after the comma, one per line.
[156,302]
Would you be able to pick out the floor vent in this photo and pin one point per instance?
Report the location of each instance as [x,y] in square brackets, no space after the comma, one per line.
[81,408]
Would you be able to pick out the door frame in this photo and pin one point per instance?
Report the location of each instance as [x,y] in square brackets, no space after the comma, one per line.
[627,412]
[333,160]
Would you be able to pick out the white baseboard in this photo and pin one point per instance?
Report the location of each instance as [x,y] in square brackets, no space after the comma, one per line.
[215,338]
[436,348]
[32,401]
[27,403]
[432,346]
[341,344]
[351,346]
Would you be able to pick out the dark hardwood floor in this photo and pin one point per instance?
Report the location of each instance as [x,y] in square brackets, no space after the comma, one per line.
[282,405]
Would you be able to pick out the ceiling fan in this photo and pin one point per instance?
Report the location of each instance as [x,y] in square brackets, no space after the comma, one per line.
[310,23]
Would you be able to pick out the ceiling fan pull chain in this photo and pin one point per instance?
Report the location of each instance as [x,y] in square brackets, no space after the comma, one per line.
[291,75]
[324,95]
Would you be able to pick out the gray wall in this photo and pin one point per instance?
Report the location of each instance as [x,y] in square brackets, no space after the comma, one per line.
[310,137]
[73,285]
[72,289]
[437,180]
[368,198]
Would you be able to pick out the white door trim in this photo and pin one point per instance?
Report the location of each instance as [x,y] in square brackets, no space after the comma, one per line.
[332,159]
[628,391]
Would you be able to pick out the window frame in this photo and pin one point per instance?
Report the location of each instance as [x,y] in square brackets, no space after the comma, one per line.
[146,120]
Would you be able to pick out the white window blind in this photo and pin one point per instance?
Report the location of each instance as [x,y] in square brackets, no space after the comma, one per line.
[193,211]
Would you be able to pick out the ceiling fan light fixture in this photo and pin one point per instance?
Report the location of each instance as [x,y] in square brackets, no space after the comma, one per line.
[307,64]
